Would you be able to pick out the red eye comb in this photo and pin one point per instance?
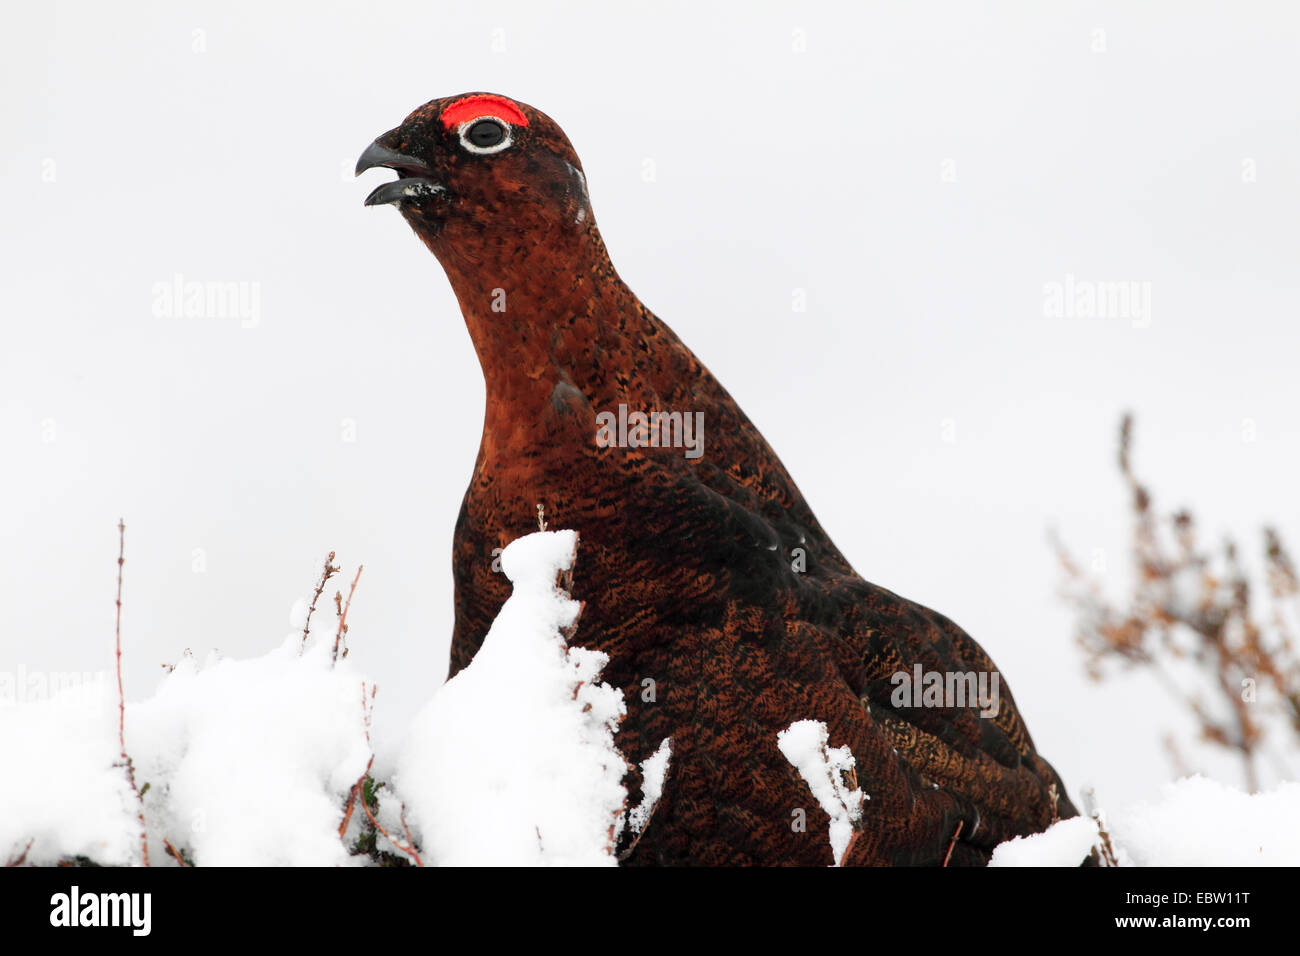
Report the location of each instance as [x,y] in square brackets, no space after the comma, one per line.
[482,104]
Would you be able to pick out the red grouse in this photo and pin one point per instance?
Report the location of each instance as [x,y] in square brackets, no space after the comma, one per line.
[725,609]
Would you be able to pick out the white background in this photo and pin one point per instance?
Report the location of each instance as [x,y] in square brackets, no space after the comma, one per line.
[215,140]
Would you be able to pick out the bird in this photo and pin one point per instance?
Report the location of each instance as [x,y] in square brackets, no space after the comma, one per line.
[726,611]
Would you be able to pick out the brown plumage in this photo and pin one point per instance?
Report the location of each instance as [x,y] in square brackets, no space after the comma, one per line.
[726,611]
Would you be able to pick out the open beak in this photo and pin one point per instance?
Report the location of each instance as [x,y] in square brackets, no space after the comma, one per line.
[415,179]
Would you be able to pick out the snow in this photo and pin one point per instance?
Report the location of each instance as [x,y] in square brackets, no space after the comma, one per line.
[242,763]
[804,744]
[1196,822]
[513,760]
[64,791]
[299,614]
[654,770]
[1066,843]
[249,762]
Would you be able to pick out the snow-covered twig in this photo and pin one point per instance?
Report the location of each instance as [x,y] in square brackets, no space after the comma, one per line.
[366,707]
[359,791]
[1104,842]
[409,848]
[831,776]
[654,771]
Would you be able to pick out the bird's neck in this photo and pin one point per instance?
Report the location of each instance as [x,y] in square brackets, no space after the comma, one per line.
[552,312]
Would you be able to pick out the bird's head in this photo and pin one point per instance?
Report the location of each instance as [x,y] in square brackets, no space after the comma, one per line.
[481,176]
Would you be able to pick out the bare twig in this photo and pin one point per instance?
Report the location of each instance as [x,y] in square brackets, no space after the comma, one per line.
[174,853]
[326,573]
[21,858]
[121,697]
[1195,605]
[953,844]
[1107,847]
[361,780]
[409,848]
[343,615]
[410,840]
[352,797]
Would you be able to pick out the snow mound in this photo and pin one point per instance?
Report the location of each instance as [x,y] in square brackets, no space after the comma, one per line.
[249,762]
[1065,843]
[1196,822]
[66,792]
[512,761]
[253,762]
[241,763]
[1201,822]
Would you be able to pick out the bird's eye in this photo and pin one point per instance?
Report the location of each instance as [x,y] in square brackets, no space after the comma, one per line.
[486,135]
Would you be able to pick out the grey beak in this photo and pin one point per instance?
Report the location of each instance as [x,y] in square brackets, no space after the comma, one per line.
[376,155]
[415,179]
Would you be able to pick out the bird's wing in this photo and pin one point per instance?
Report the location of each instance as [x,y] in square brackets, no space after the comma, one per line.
[689,574]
